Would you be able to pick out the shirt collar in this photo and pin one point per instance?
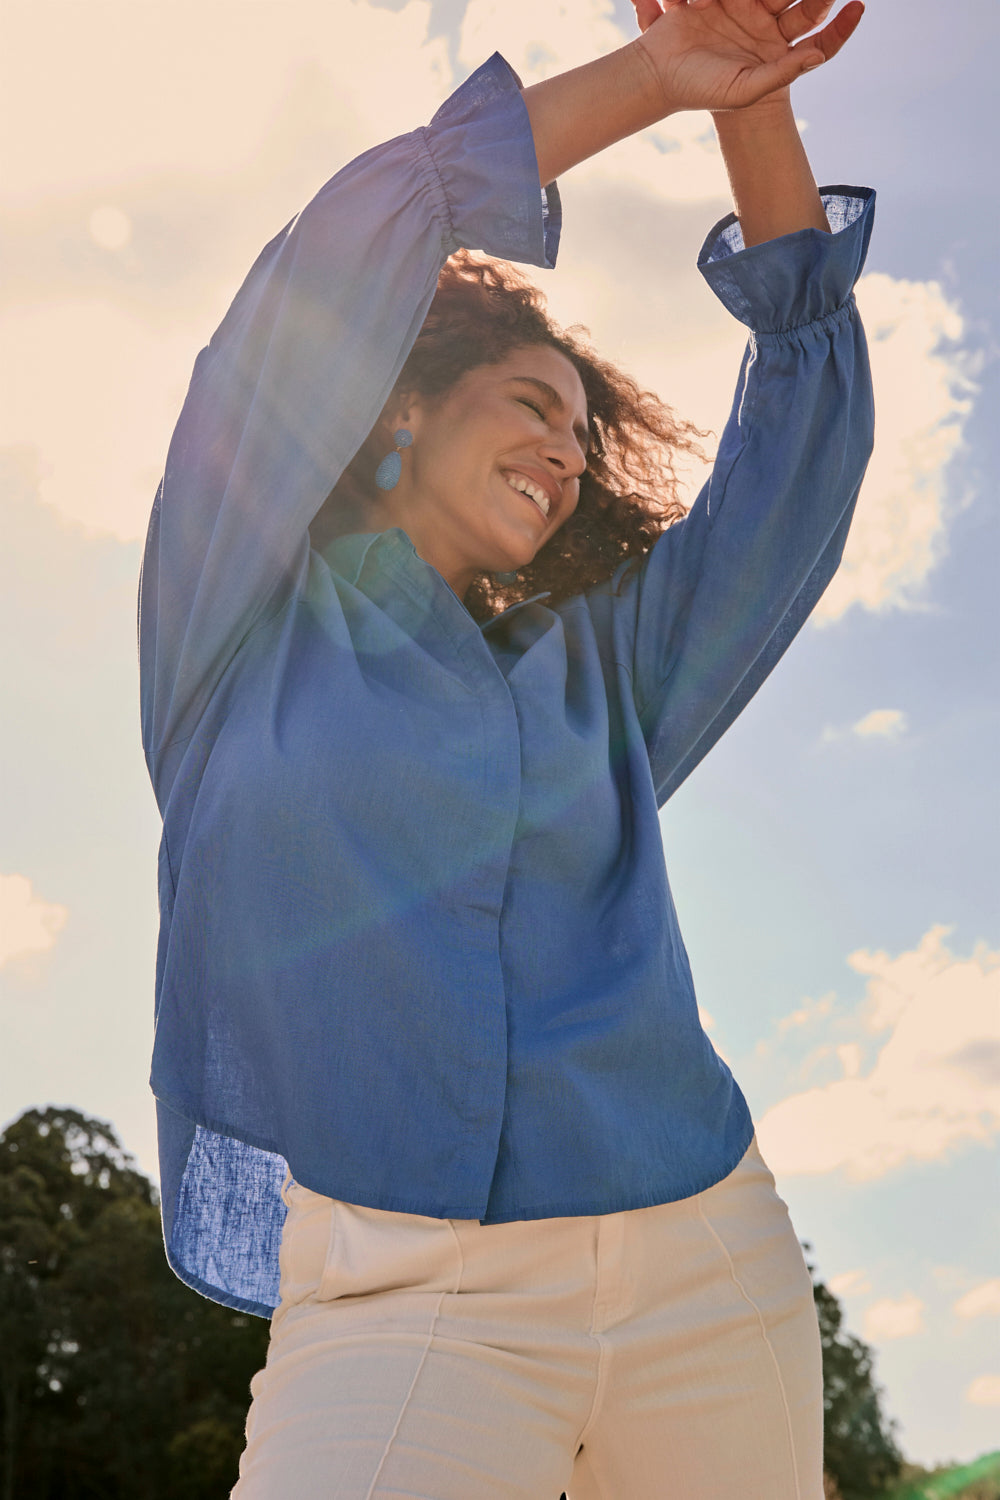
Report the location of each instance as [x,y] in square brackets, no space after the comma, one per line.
[347,556]
[521,604]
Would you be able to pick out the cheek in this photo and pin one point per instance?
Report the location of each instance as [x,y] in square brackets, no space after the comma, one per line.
[572,502]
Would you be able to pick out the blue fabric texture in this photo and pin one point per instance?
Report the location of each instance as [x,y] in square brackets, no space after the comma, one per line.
[417,939]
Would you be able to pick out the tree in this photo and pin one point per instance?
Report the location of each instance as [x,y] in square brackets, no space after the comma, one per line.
[859,1446]
[116,1380]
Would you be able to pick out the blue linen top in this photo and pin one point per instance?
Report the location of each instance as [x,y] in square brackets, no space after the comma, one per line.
[417,939]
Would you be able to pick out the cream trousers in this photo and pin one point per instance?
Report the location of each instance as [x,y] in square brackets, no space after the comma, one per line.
[666,1353]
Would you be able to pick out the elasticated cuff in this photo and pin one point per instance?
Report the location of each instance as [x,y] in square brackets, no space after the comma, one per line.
[788,282]
[481,144]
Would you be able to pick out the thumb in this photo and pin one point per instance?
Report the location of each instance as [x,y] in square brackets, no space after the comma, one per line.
[769,77]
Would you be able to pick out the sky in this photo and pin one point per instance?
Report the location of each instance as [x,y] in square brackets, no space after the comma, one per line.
[833,860]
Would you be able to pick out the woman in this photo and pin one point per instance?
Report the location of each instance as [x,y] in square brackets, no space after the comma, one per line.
[427,1045]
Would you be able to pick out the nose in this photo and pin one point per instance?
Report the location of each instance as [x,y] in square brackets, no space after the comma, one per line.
[562,452]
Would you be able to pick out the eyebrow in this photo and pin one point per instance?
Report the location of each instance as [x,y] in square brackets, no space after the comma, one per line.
[580,429]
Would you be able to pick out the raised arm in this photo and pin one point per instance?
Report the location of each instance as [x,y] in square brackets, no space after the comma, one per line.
[292,381]
[723,593]
[736,58]
[297,373]
[718,600]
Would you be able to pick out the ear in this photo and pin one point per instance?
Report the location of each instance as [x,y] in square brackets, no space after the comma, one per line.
[402,411]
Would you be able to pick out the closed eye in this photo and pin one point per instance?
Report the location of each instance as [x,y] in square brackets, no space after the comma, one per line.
[553,402]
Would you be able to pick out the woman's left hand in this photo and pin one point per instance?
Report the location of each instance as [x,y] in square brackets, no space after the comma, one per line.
[727,54]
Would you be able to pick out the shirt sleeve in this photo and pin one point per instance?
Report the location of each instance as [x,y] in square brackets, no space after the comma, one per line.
[301,366]
[724,591]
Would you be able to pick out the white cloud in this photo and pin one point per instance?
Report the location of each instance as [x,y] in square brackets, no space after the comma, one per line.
[381,76]
[109,226]
[983,1301]
[849,1057]
[708,1022]
[146,232]
[538,41]
[28,925]
[890,1318]
[807,1015]
[96,391]
[984,1391]
[923,393]
[882,723]
[934,1086]
[849,1284]
[810,1010]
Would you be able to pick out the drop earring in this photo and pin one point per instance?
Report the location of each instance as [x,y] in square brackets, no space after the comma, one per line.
[388,472]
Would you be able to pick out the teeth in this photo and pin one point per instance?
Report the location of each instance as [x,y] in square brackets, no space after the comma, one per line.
[524,487]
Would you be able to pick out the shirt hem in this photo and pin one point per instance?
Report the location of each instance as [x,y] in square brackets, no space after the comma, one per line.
[218,1294]
[652,1198]
[551,1209]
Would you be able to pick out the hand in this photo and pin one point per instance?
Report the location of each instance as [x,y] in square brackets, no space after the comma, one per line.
[727,54]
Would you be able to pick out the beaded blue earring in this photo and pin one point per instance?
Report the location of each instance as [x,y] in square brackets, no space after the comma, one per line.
[388,472]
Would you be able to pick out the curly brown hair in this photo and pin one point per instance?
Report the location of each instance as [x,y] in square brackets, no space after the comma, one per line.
[482,311]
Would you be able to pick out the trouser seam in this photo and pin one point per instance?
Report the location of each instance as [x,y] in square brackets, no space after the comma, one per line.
[402,1410]
[764,1335]
[592,1333]
[461,1253]
[599,1385]
[423,1359]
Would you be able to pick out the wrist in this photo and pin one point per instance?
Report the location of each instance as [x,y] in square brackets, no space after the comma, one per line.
[649,80]
[773,189]
[773,109]
[576,114]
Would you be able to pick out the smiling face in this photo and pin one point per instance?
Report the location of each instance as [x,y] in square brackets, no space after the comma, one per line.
[495,465]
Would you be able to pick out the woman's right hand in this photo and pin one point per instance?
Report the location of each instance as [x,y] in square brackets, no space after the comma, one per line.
[727,54]
[717,55]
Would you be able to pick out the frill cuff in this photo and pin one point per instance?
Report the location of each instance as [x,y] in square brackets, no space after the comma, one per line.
[481,145]
[797,278]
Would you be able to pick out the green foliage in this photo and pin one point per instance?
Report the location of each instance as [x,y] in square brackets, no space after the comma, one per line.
[859,1446]
[116,1381]
[979,1480]
[204,1456]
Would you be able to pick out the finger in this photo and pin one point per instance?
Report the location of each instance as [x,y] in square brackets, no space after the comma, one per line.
[646,12]
[845,21]
[830,40]
[797,20]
